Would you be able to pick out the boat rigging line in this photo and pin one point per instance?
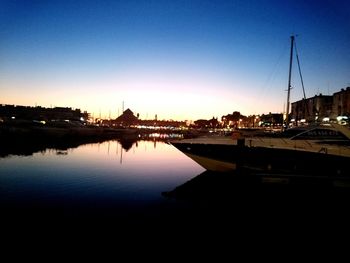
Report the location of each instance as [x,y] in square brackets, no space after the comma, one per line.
[301,76]
[292,47]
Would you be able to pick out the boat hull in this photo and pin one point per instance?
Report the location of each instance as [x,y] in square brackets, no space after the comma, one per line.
[225,158]
[211,164]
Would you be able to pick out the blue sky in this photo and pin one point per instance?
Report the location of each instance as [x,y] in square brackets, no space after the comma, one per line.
[177,59]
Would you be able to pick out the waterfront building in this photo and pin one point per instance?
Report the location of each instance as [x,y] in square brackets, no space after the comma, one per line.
[126,119]
[322,108]
[341,103]
[312,109]
[27,113]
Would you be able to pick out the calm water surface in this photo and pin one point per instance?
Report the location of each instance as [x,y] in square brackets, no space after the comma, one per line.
[100,173]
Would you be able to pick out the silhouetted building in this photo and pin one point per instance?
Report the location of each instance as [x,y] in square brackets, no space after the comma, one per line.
[163,123]
[212,123]
[321,107]
[252,121]
[233,120]
[271,119]
[341,103]
[311,109]
[126,119]
[201,123]
[12,112]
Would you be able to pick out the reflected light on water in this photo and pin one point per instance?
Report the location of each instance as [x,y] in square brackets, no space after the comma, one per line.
[97,171]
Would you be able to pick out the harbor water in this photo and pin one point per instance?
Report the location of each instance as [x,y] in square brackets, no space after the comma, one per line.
[94,176]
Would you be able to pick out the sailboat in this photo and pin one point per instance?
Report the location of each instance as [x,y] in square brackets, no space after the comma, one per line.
[312,152]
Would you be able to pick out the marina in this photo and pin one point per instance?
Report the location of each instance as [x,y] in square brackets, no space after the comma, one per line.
[147,183]
[316,148]
[189,124]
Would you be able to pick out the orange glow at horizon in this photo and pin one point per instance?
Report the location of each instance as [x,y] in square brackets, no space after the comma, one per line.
[178,101]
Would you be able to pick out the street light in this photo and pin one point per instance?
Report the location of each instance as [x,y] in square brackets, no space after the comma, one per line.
[255,120]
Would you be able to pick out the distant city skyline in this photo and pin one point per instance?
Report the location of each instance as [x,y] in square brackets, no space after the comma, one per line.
[181,60]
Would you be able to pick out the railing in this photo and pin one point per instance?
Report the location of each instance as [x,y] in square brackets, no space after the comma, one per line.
[300,145]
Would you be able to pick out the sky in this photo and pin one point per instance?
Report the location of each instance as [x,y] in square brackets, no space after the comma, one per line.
[181,60]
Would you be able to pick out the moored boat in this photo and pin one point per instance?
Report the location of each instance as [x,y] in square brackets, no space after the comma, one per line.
[321,149]
[307,156]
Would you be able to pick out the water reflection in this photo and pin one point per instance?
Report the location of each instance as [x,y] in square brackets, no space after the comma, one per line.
[114,173]
[61,147]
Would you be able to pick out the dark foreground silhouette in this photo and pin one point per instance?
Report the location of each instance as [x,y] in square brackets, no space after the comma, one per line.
[208,204]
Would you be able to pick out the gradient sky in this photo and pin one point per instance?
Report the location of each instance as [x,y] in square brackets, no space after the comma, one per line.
[181,60]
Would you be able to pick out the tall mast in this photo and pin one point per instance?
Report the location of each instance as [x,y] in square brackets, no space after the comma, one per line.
[289,78]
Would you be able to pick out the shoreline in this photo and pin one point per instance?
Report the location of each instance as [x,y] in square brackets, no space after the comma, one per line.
[28,139]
